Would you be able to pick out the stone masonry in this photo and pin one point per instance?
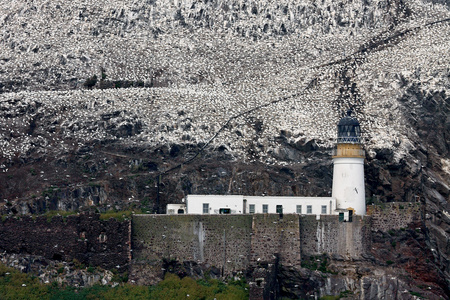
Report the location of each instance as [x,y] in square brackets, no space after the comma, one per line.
[253,245]
[95,242]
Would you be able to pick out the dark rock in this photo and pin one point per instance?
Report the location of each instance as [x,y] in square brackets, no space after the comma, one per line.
[76,237]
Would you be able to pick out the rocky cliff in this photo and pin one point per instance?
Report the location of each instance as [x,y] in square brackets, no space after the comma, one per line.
[118,104]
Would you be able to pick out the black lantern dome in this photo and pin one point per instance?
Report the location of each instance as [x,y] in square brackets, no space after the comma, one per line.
[349,131]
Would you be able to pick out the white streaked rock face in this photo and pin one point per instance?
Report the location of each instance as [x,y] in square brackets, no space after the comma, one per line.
[215,60]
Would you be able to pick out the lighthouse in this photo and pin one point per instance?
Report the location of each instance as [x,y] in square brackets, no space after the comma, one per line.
[348,168]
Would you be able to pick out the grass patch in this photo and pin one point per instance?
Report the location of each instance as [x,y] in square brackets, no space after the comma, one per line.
[343,294]
[172,287]
[53,213]
[330,297]
[118,215]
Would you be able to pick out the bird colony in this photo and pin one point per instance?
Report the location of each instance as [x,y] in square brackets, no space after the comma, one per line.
[224,73]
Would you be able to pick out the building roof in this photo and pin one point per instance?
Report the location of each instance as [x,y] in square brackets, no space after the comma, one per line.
[347,120]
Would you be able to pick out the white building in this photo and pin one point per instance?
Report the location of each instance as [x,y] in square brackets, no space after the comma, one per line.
[240,204]
[348,193]
[290,205]
[176,209]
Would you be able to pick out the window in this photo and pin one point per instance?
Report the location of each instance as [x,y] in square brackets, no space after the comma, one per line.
[279,209]
[225,211]
[265,208]
[324,209]
[251,208]
[181,211]
[309,209]
[299,209]
[206,208]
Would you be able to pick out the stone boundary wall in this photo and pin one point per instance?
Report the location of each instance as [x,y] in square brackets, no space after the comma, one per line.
[274,235]
[83,237]
[225,244]
[220,240]
[328,235]
[395,215]
[236,242]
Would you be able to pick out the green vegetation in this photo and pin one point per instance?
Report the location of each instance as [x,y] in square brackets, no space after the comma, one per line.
[118,277]
[64,214]
[135,168]
[330,297]
[319,263]
[146,206]
[343,294]
[16,285]
[389,262]
[416,294]
[172,287]
[103,74]
[77,264]
[118,215]
[49,191]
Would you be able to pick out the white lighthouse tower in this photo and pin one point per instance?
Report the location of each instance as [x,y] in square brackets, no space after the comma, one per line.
[348,171]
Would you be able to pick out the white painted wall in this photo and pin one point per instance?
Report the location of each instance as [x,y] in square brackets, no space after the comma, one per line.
[195,203]
[240,204]
[172,209]
[348,184]
[290,204]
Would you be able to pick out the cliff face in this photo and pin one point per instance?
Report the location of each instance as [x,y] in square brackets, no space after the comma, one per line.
[100,99]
